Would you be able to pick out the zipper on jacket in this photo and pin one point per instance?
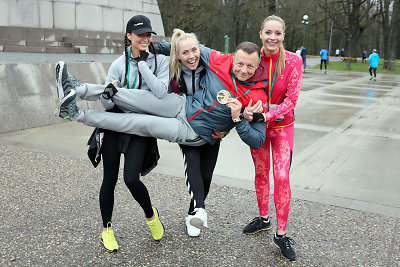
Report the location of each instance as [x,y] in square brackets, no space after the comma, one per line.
[193,81]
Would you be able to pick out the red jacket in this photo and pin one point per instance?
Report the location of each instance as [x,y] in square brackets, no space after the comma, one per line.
[221,64]
[286,89]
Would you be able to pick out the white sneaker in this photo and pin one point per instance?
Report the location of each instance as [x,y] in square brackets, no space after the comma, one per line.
[199,220]
[191,230]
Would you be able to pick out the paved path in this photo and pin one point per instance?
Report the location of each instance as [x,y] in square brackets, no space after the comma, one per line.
[345,209]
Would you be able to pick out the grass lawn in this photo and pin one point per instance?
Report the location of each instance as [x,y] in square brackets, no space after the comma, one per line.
[360,67]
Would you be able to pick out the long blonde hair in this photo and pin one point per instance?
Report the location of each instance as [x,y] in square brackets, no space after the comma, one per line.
[280,65]
[174,66]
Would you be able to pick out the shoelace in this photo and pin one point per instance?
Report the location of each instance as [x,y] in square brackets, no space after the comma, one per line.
[153,227]
[287,241]
[74,80]
[254,221]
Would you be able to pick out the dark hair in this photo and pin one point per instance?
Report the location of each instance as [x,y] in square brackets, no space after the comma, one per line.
[127,43]
[249,48]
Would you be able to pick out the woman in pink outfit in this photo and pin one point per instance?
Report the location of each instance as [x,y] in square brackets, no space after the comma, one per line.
[285,79]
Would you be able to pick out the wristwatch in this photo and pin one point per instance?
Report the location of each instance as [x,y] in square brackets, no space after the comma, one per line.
[238,119]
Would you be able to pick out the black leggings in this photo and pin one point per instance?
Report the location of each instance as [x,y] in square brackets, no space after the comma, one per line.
[370,71]
[323,61]
[133,161]
[199,167]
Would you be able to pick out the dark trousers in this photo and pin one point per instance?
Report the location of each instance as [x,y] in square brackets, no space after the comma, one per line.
[134,157]
[372,70]
[199,163]
[323,61]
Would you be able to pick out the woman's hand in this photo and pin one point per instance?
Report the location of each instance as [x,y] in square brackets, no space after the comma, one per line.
[257,108]
[249,110]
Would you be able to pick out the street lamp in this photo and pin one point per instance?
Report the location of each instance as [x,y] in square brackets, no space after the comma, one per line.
[304,22]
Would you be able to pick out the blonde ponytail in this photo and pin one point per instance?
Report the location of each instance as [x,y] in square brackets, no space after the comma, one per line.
[174,66]
[280,64]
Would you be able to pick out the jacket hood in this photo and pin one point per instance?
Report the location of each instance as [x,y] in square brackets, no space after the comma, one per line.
[261,74]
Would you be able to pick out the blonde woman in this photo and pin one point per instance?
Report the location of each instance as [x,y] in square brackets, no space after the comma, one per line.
[284,82]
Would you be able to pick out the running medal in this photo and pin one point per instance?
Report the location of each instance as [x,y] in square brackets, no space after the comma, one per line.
[223,96]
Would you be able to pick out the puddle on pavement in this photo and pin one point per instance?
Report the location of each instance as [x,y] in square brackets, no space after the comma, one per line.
[377,174]
[389,125]
[365,92]
[303,138]
[308,87]
[325,115]
[344,99]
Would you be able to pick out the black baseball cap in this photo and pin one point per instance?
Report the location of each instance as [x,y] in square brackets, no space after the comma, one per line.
[139,24]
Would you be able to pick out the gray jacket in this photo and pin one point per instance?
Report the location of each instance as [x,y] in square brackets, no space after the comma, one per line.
[157,84]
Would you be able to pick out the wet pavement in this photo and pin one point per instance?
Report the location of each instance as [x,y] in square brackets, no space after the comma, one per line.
[344,178]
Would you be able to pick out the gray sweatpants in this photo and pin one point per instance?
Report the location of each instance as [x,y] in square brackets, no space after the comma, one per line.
[139,101]
[160,118]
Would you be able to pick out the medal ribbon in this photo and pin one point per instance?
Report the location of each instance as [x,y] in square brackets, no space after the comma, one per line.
[234,82]
[271,85]
[127,75]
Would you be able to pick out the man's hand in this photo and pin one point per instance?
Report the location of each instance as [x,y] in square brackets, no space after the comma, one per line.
[235,107]
[219,134]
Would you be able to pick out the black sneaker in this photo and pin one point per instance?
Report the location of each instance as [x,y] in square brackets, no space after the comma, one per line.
[65,81]
[283,243]
[67,108]
[256,225]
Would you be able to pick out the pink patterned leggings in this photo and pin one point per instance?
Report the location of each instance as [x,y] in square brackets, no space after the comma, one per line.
[281,142]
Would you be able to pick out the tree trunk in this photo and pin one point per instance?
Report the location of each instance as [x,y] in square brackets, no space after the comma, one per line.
[393,40]
[387,32]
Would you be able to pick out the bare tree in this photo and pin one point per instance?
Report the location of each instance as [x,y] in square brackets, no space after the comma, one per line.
[211,20]
[390,21]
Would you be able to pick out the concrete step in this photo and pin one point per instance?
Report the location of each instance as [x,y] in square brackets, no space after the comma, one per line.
[24,49]
[67,50]
[94,42]
[103,50]
[12,42]
[48,44]
[40,49]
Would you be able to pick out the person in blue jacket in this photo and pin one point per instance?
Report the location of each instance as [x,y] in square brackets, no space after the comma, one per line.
[303,54]
[373,60]
[324,58]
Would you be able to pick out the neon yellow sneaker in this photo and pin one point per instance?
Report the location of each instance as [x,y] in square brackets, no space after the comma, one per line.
[108,239]
[156,226]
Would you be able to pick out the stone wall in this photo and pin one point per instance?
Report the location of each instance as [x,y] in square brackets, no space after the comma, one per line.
[29,96]
[91,15]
